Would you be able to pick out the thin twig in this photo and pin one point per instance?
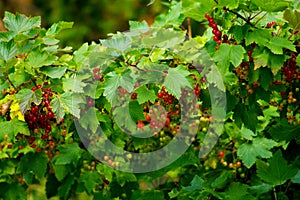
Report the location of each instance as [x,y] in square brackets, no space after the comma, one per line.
[240,16]
[260,19]
[189,27]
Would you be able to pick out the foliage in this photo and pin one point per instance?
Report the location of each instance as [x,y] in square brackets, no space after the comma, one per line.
[66,114]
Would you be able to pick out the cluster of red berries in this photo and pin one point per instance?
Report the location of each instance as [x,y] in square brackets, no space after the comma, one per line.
[269,25]
[163,94]
[197,90]
[96,73]
[40,116]
[290,70]
[215,31]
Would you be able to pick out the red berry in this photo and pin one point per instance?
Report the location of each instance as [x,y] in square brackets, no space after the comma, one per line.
[140,124]
[134,96]
[148,118]
[97,77]
[34,89]
[90,103]
[221,154]
[50,115]
[207,16]
[216,38]
[249,53]
[9,146]
[211,21]
[38,149]
[160,95]
[218,33]
[96,70]
[214,26]
[39,86]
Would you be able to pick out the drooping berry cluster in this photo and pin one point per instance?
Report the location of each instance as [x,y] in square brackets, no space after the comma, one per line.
[163,94]
[269,25]
[290,70]
[41,116]
[96,74]
[217,33]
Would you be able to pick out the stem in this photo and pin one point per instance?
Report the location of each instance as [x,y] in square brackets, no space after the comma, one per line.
[240,16]
[275,194]
[260,18]
[252,17]
[189,28]
[11,83]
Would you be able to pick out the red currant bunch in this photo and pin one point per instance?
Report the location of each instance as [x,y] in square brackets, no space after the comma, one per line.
[217,33]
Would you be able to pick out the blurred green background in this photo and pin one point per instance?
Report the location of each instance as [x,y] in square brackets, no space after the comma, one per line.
[93,19]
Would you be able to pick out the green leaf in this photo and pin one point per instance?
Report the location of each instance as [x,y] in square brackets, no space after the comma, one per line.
[12,128]
[277,44]
[64,189]
[271,112]
[145,95]
[259,36]
[293,17]
[73,85]
[276,171]
[124,177]
[19,77]
[229,54]
[190,8]
[196,184]
[268,59]
[164,38]
[71,103]
[174,12]
[282,130]
[139,27]
[176,80]
[247,133]
[272,5]
[27,96]
[89,120]
[61,171]
[239,32]
[265,78]
[90,179]
[214,77]
[39,59]
[69,154]
[19,23]
[54,72]
[118,42]
[231,4]
[238,191]
[148,195]
[57,108]
[57,27]
[296,178]
[114,81]
[222,180]
[13,191]
[249,152]
[33,164]
[298,60]
[7,50]
[105,171]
